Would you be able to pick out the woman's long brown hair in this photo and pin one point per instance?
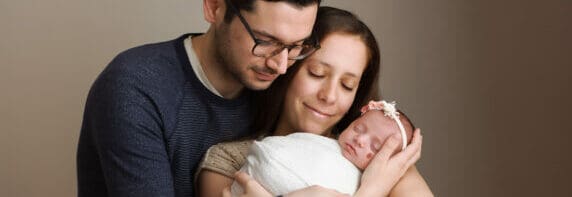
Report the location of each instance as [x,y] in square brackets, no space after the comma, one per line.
[269,103]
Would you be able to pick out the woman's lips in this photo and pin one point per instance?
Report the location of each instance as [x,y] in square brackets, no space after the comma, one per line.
[318,113]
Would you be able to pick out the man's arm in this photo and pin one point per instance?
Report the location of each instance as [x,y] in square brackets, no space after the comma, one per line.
[123,128]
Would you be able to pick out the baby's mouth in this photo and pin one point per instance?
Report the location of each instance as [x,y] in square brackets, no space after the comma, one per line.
[350,149]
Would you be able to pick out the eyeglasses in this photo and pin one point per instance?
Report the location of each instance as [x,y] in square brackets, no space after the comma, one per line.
[266,49]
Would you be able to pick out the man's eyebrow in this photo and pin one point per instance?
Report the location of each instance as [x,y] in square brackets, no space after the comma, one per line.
[265,34]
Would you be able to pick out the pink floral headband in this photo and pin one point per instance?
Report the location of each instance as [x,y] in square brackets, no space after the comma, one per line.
[389,110]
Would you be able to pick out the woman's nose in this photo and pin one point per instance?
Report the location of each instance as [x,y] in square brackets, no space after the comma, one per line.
[327,93]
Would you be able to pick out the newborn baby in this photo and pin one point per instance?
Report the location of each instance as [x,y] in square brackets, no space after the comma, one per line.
[282,164]
[366,135]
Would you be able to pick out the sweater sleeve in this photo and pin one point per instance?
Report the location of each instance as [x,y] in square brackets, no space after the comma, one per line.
[225,158]
[126,131]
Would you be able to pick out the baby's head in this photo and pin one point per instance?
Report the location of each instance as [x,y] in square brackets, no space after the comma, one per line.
[365,136]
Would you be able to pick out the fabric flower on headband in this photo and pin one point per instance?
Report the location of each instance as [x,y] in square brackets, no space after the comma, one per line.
[389,110]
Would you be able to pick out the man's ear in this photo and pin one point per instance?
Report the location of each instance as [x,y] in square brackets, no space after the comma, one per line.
[213,9]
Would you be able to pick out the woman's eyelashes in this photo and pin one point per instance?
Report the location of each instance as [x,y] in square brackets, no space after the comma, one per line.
[316,71]
[347,83]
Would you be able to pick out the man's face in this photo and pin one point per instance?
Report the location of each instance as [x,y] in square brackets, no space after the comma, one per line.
[270,21]
[365,136]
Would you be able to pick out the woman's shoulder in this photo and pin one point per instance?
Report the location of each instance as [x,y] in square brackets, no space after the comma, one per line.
[232,149]
[226,158]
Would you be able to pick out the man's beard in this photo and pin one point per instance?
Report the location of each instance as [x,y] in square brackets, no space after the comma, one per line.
[227,59]
[223,53]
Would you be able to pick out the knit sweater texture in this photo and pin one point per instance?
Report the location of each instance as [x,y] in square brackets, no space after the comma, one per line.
[148,121]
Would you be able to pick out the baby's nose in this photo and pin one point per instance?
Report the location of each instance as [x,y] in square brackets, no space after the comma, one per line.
[360,141]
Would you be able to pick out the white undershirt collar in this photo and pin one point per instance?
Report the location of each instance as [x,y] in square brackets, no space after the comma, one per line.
[197,68]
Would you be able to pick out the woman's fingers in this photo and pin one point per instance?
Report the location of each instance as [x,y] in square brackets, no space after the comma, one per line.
[241,177]
[385,169]
[388,147]
[226,192]
[245,181]
[413,152]
[418,143]
[250,186]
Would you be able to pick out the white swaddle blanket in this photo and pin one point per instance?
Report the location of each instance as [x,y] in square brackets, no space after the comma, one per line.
[283,164]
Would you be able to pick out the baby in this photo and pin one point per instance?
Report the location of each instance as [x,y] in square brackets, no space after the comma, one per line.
[365,135]
[287,163]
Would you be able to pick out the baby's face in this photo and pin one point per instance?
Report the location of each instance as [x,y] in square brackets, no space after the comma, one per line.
[365,136]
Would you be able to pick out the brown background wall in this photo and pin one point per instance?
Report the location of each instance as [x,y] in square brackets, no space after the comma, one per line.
[487,81]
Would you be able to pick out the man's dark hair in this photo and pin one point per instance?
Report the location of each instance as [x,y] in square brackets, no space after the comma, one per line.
[248,5]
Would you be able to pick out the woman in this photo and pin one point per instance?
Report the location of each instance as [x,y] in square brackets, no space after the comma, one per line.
[321,95]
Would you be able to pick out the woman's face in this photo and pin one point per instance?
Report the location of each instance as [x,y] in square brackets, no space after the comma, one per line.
[324,88]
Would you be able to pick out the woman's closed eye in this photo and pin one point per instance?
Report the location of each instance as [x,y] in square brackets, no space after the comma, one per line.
[349,84]
[317,72]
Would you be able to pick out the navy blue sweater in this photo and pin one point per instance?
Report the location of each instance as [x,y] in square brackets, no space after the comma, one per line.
[148,121]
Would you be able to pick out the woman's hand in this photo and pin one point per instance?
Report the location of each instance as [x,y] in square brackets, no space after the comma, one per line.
[385,169]
[249,185]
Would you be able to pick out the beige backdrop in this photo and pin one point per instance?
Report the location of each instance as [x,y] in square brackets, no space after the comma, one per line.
[487,81]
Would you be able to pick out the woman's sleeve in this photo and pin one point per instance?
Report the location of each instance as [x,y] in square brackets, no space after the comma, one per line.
[225,158]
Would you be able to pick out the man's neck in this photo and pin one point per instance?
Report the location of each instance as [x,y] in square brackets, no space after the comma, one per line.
[217,74]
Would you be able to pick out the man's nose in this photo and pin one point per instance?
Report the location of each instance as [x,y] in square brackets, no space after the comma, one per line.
[279,62]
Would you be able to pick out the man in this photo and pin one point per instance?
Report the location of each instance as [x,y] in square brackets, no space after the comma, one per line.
[155,109]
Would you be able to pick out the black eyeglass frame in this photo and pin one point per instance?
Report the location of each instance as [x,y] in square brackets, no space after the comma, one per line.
[281,46]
